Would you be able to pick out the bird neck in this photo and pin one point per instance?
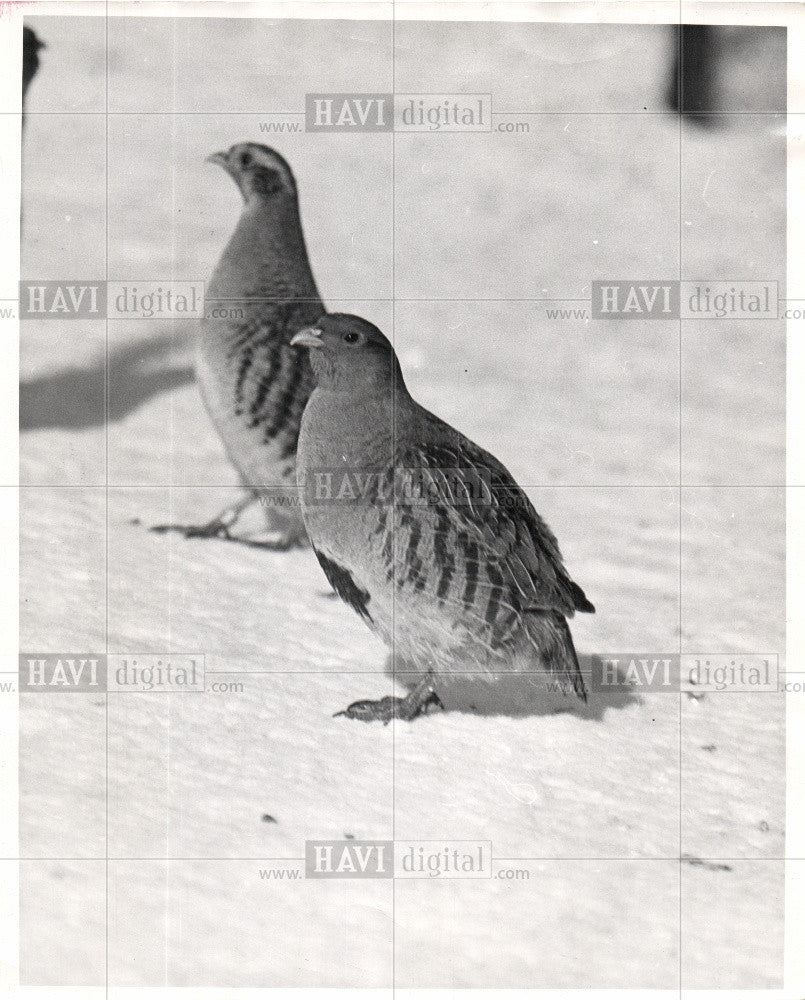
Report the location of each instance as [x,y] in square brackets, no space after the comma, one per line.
[352,428]
[355,383]
[267,251]
[275,213]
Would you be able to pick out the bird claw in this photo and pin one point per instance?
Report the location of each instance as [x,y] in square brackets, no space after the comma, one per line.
[213,529]
[388,708]
[281,543]
[220,529]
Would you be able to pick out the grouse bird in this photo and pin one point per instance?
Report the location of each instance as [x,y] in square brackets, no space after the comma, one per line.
[253,380]
[423,533]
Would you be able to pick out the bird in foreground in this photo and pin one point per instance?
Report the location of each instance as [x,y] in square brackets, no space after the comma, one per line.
[423,533]
[254,382]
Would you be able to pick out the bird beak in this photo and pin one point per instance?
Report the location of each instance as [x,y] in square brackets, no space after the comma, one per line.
[309,337]
[219,158]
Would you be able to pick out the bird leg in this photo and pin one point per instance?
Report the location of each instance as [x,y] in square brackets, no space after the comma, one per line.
[218,527]
[415,703]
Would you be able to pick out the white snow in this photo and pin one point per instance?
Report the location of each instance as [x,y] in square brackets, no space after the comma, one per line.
[596,805]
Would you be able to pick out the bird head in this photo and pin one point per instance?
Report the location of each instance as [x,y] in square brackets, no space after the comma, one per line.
[349,354]
[258,171]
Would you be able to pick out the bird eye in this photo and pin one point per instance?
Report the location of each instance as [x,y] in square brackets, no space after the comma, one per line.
[351,337]
[245,160]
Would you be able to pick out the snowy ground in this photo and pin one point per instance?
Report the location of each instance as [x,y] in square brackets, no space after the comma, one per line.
[596,805]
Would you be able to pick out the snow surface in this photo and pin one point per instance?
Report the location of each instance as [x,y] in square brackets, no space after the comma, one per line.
[597,805]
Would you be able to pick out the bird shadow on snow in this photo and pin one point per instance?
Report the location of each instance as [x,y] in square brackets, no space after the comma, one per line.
[74,397]
[518,695]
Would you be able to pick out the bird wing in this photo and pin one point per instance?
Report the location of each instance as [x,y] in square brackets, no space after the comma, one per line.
[468,533]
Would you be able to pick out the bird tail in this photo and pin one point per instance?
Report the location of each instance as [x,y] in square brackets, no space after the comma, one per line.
[550,636]
[580,601]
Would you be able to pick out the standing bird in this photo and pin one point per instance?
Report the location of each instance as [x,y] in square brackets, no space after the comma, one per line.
[253,380]
[422,532]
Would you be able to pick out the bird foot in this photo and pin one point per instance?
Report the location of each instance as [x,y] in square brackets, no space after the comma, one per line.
[217,528]
[415,703]
[275,542]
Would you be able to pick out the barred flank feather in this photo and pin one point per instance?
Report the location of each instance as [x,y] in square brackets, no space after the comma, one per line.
[457,567]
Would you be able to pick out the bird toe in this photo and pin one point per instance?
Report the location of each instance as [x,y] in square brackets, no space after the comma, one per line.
[383,710]
[388,708]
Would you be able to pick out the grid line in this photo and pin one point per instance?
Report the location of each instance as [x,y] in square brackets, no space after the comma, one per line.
[106,413]
[692,859]
[659,113]
[681,105]
[393,499]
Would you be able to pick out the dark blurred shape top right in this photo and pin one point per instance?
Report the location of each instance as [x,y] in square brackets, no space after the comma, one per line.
[721,72]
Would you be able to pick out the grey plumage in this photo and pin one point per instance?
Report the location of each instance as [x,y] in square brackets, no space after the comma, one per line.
[253,381]
[426,535]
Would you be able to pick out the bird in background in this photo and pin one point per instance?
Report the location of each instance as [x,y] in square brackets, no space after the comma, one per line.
[31,47]
[423,533]
[254,381]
